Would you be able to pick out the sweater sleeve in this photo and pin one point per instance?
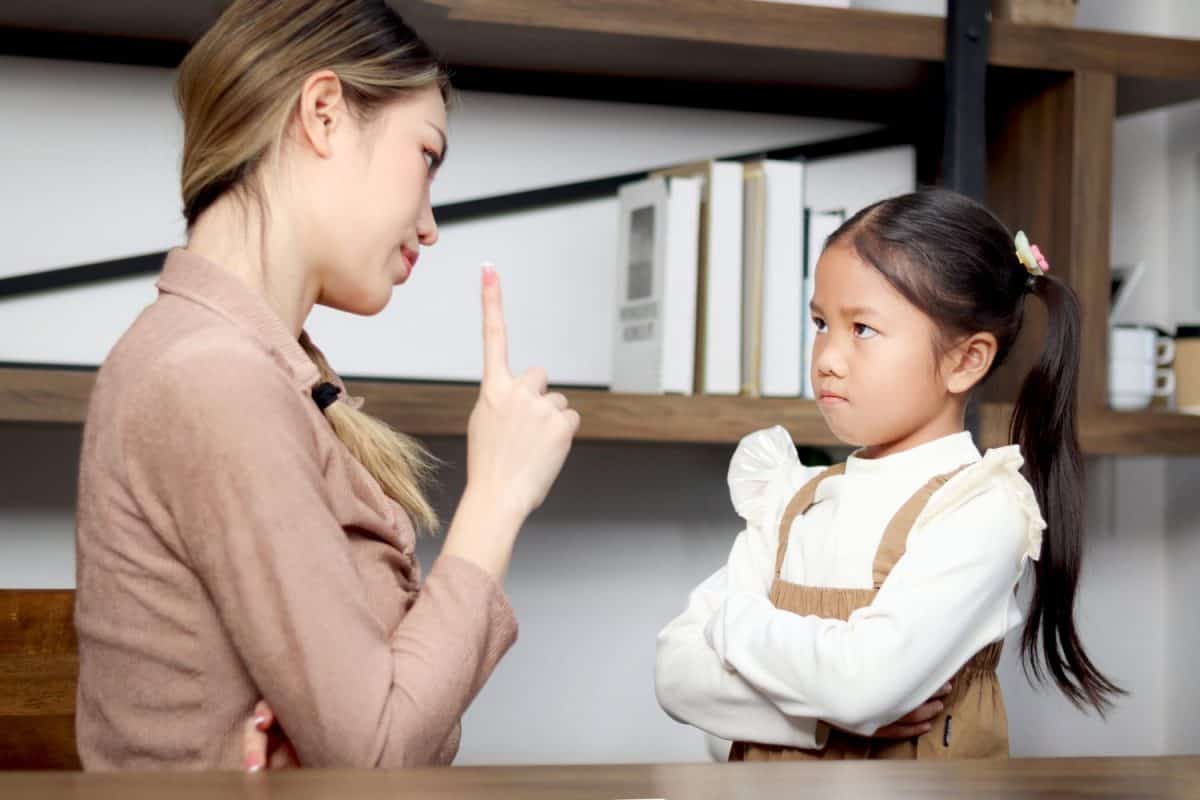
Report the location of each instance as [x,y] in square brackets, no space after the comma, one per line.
[950,595]
[223,447]
[693,685]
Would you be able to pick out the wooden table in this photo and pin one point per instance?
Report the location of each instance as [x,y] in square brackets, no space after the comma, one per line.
[1112,778]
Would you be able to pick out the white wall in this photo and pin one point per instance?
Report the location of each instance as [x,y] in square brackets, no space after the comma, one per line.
[628,529]
[87,188]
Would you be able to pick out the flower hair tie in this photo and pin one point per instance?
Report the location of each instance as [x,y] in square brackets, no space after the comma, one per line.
[1032,259]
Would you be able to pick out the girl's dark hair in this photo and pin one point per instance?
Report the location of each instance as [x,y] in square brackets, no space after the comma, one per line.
[954,260]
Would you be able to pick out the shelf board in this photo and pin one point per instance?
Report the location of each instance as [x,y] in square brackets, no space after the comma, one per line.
[866,64]
[46,395]
[1139,433]
[60,396]
[889,58]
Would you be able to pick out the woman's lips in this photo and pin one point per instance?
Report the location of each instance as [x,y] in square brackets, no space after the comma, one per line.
[411,257]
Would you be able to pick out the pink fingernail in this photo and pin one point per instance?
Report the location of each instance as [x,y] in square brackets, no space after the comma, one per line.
[489,274]
[254,763]
[260,722]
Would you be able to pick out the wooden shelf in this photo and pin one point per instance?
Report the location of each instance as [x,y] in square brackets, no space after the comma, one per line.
[45,395]
[868,64]
[59,396]
[889,58]
[1052,95]
[1140,433]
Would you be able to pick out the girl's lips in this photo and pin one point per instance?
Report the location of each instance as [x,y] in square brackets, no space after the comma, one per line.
[831,399]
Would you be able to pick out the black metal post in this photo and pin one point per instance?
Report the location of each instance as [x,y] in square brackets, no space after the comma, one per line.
[965,141]
[964,145]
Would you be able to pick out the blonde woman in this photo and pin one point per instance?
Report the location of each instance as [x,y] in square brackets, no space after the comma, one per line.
[245,531]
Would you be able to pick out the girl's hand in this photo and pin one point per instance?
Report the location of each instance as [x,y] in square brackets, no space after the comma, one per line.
[917,721]
[264,745]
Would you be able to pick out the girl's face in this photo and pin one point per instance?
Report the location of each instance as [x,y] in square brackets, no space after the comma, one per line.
[875,371]
[370,213]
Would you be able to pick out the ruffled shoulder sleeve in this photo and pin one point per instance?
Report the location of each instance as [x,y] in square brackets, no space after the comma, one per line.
[764,473]
[998,470]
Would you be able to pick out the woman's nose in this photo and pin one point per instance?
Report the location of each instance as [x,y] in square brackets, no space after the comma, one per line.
[427,229]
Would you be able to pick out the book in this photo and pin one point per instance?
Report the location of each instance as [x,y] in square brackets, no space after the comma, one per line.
[773,278]
[656,285]
[718,345]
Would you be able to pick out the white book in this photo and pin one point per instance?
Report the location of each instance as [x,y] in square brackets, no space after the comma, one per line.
[821,224]
[658,254]
[680,285]
[783,279]
[719,320]
[773,278]
[853,181]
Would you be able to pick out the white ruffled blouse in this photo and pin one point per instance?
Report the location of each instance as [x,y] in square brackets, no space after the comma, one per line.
[737,667]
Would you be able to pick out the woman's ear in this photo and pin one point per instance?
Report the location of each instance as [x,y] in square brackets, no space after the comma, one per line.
[969,362]
[322,110]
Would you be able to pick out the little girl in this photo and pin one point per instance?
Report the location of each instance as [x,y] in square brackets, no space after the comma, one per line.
[854,592]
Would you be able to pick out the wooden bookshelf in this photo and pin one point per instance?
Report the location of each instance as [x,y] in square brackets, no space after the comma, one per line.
[50,396]
[1053,94]
[888,58]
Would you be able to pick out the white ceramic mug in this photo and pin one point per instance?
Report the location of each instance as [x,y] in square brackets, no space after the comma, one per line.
[1133,384]
[1140,343]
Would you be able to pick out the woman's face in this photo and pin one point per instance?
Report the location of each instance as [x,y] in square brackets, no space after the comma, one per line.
[370,213]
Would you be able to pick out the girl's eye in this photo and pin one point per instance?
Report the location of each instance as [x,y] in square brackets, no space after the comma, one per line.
[819,324]
[864,331]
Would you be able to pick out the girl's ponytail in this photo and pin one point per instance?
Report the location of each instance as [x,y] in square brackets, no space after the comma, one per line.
[1044,425]
[954,260]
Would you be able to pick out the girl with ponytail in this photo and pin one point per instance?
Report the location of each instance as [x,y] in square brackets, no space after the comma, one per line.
[245,531]
[855,592]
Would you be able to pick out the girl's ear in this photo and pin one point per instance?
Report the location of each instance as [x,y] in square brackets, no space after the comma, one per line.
[969,362]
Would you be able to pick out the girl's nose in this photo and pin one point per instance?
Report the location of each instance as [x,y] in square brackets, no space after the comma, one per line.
[827,358]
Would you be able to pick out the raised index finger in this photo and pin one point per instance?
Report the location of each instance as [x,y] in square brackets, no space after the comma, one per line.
[495,336]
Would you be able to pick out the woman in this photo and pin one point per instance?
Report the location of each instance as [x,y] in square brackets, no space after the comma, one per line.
[245,531]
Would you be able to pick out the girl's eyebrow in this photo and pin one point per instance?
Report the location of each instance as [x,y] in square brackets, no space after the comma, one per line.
[858,311]
[847,311]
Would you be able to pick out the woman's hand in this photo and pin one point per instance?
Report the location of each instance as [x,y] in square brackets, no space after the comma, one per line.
[517,440]
[264,744]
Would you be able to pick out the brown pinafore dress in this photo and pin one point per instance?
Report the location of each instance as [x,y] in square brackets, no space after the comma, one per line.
[973,723]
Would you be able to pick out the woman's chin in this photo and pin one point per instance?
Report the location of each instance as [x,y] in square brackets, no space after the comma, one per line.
[366,303]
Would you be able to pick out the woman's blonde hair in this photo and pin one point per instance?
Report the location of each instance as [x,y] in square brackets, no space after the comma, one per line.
[238,90]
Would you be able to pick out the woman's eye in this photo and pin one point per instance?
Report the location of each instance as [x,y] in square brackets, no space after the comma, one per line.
[819,324]
[432,161]
[864,331]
